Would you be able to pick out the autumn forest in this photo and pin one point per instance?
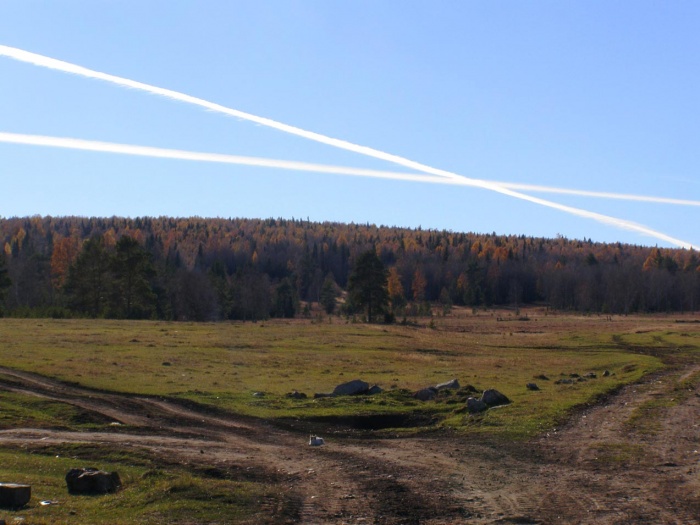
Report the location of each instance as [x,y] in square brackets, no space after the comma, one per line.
[213,269]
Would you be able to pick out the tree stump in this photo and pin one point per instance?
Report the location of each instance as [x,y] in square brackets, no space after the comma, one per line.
[14,496]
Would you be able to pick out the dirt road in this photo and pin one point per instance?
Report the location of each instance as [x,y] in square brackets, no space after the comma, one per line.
[608,465]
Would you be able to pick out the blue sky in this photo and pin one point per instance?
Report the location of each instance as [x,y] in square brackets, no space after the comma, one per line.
[598,96]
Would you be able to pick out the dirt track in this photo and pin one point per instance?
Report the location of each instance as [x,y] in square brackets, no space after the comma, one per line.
[592,471]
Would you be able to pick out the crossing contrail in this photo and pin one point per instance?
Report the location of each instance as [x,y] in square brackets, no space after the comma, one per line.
[146,151]
[178,154]
[67,67]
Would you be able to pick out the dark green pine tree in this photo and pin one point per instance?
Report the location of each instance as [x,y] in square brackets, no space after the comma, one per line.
[367,285]
[329,294]
[4,281]
[286,300]
[132,296]
[89,278]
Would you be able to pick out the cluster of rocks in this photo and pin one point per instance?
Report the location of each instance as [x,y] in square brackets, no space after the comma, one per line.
[489,399]
[429,393]
[578,378]
[356,387]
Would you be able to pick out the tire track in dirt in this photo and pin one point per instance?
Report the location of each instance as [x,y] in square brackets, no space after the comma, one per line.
[608,471]
[567,476]
[318,485]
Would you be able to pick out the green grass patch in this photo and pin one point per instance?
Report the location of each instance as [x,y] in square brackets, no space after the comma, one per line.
[151,493]
[223,364]
[24,410]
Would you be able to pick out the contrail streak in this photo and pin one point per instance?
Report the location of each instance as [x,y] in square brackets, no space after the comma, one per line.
[145,151]
[148,151]
[599,194]
[51,63]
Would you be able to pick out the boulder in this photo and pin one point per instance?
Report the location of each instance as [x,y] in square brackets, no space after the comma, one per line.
[591,375]
[494,398]
[606,373]
[351,388]
[450,385]
[92,481]
[14,495]
[475,406]
[532,386]
[376,389]
[564,382]
[426,394]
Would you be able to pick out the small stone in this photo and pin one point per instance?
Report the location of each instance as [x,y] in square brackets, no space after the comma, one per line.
[294,394]
[315,441]
[532,386]
[450,385]
[426,394]
[475,406]
[375,389]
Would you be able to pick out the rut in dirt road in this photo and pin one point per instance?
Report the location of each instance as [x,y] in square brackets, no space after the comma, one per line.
[323,485]
[597,469]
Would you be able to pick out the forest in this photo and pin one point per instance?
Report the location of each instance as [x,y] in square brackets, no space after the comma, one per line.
[207,269]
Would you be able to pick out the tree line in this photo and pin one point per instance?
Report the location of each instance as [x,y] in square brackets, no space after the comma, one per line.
[213,269]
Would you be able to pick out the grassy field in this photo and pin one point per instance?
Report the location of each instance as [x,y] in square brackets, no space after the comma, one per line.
[224,364]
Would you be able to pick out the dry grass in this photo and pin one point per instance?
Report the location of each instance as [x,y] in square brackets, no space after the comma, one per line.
[224,363]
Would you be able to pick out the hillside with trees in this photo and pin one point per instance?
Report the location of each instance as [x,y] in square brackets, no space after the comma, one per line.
[213,269]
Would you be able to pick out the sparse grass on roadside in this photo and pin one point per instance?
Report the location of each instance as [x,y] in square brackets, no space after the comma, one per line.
[618,454]
[645,418]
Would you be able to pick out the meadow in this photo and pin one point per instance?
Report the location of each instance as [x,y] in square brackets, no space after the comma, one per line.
[245,369]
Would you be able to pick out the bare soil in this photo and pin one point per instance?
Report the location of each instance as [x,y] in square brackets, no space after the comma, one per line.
[596,469]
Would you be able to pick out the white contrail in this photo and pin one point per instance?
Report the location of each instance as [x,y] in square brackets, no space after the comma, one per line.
[148,151]
[164,153]
[127,149]
[51,63]
[598,194]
